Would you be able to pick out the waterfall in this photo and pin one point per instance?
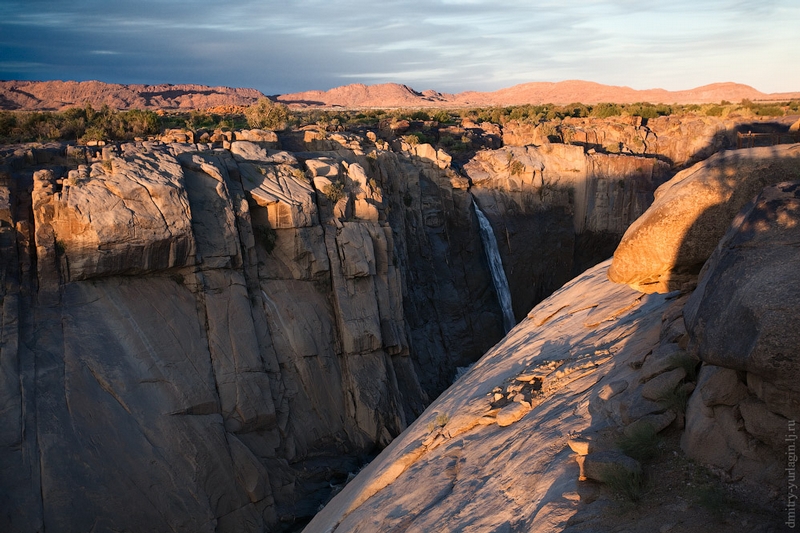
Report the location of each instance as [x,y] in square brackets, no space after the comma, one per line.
[496,266]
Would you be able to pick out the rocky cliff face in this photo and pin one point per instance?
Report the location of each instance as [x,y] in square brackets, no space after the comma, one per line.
[551,204]
[679,141]
[202,337]
[603,391]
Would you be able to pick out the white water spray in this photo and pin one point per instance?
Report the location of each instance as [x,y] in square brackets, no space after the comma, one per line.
[496,267]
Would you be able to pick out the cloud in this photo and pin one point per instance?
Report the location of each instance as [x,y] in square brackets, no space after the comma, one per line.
[448,45]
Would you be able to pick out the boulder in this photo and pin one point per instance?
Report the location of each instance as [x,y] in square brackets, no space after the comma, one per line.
[664,249]
[284,191]
[655,422]
[257,136]
[177,136]
[602,466]
[663,384]
[722,387]
[744,313]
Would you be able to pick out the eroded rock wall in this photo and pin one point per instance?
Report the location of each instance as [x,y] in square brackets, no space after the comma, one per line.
[551,205]
[209,339]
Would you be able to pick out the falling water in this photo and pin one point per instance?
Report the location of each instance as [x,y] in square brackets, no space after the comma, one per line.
[496,266]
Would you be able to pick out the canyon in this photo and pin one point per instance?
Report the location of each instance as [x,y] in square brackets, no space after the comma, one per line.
[215,336]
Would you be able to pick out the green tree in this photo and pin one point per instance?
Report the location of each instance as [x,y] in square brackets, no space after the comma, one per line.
[268,115]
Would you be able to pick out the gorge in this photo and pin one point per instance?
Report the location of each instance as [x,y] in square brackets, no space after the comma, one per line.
[213,336]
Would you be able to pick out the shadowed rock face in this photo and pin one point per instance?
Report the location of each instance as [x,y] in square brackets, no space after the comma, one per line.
[205,339]
[752,279]
[742,319]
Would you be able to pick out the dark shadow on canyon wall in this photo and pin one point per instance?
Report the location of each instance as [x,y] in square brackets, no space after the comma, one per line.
[541,251]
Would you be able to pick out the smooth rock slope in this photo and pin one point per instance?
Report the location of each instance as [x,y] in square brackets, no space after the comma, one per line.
[497,440]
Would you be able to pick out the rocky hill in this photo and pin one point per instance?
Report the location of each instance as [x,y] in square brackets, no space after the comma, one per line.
[56,95]
[562,93]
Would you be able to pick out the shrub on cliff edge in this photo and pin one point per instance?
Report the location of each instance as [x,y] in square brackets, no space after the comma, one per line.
[266,114]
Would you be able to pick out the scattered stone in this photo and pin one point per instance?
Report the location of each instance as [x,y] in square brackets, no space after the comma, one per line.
[637,407]
[597,466]
[511,413]
[663,384]
[258,136]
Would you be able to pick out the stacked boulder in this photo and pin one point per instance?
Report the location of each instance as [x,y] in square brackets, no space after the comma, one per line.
[730,227]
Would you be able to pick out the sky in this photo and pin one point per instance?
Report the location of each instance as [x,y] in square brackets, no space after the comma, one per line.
[289,46]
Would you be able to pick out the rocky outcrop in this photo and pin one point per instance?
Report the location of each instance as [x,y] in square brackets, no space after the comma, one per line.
[212,336]
[679,140]
[741,320]
[142,226]
[665,249]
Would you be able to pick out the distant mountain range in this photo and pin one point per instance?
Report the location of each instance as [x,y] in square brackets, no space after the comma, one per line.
[56,95]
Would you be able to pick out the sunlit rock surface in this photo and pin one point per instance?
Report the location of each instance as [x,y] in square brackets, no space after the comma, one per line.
[665,249]
[498,438]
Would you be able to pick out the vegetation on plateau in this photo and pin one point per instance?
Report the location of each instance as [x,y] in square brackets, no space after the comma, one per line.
[268,115]
[84,124]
